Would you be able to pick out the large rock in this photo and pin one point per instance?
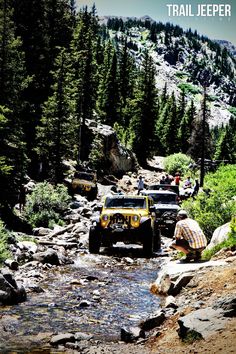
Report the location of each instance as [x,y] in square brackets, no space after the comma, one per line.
[227,305]
[153,321]
[10,292]
[117,158]
[201,323]
[219,235]
[50,256]
[132,334]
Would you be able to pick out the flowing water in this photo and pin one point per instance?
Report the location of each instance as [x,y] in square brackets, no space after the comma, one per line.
[97,295]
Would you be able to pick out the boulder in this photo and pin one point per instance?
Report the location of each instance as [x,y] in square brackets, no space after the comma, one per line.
[201,323]
[62,339]
[50,256]
[10,292]
[153,321]
[131,334]
[117,159]
[227,305]
[180,283]
[219,235]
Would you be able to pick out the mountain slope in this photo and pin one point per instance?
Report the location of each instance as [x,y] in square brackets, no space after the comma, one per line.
[184,60]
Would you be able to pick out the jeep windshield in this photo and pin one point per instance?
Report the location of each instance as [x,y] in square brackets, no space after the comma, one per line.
[139,203]
[163,198]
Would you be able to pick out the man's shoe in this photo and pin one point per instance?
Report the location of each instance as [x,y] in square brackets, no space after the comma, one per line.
[188,258]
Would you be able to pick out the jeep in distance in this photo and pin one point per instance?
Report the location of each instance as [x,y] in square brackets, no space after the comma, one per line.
[85,183]
[166,207]
[128,219]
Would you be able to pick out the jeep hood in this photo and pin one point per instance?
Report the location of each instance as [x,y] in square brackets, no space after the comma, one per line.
[167,206]
[125,211]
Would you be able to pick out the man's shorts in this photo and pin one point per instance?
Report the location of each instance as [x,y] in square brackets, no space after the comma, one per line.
[183,243]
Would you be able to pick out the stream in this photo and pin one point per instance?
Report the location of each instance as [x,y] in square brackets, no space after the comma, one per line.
[98,295]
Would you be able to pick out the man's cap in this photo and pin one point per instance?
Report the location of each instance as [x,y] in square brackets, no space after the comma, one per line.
[183,213]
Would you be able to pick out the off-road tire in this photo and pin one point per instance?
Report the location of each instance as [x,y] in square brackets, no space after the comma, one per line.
[157,240]
[94,240]
[148,239]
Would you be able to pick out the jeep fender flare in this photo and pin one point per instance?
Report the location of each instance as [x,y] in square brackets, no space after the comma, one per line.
[145,221]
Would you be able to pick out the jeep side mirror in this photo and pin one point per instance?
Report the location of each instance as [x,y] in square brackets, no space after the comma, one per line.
[152,209]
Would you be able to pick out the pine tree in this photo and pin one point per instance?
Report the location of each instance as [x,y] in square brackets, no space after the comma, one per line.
[200,139]
[226,146]
[84,77]
[108,90]
[185,128]
[43,26]
[166,127]
[145,111]
[127,75]
[55,135]
[12,84]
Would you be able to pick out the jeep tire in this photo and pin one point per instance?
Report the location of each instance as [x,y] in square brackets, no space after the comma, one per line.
[157,240]
[94,240]
[148,239]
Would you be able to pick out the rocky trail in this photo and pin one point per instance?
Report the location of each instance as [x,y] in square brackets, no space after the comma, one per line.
[61,299]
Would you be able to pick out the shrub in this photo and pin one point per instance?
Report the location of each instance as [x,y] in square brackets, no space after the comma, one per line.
[4,252]
[46,205]
[188,88]
[177,162]
[232,110]
[217,206]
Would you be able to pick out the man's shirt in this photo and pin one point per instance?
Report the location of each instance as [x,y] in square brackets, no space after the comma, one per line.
[189,230]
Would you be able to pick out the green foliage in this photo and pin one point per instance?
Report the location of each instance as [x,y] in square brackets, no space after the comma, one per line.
[46,205]
[232,110]
[181,74]
[191,337]
[230,242]
[55,135]
[188,88]
[125,135]
[97,157]
[4,251]
[177,162]
[145,111]
[217,206]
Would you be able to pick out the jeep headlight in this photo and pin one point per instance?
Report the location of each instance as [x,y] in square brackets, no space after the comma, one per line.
[104,220]
[135,221]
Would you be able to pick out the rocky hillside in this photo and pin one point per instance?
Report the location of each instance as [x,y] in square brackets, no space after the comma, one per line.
[184,60]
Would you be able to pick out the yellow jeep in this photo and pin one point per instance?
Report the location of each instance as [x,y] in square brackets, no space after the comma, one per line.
[85,183]
[128,219]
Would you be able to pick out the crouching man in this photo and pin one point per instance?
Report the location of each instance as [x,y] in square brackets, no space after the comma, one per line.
[189,238]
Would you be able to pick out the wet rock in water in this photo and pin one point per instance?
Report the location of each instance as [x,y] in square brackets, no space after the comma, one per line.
[84,303]
[153,321]
[227,304]
[83,336]
[10,292]
[50,256]
[201,323]
[62,339]
[131,334]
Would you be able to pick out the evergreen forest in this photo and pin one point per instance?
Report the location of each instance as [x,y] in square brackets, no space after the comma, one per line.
[60,66]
